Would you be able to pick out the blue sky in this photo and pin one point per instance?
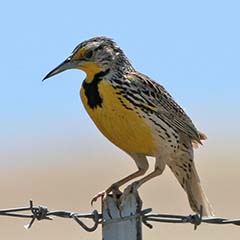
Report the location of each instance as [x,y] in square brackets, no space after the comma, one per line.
[190,47]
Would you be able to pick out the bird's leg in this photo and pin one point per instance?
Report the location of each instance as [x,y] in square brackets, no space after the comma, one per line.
[114,188]
[142,164]
[159,168]
[135,185]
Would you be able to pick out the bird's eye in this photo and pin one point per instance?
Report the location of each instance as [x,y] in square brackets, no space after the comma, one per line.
[88,54]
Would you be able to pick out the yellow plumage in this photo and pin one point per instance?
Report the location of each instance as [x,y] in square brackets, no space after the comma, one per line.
[121,126]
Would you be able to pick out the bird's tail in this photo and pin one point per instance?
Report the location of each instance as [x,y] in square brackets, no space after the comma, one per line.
[183,167]
[196,195]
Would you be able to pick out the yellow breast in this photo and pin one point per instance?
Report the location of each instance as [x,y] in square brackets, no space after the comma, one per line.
[118,123]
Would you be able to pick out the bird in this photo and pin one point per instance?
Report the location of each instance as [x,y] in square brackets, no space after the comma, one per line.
[139,116]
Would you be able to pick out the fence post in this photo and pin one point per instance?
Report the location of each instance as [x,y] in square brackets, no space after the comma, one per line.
[122,223]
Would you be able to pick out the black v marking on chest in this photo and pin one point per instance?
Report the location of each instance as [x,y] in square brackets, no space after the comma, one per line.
[94,100]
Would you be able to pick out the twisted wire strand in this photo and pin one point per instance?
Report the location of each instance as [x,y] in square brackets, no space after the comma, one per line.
[42,213]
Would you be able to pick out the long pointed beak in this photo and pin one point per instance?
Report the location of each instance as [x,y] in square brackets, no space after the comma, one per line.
[65,65]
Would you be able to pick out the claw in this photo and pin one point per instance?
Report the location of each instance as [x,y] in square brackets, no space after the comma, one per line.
[97,196]
[115,192]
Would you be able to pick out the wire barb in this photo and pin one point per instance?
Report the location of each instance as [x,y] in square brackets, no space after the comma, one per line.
[39,213]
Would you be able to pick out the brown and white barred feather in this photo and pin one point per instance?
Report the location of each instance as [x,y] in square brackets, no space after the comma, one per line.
[164,105]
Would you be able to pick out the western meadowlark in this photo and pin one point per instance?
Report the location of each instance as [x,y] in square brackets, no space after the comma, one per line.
[138,115]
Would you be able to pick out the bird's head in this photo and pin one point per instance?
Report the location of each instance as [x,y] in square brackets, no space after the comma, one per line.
[92,56]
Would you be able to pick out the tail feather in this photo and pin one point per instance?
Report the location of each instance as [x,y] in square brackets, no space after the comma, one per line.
[197,196]
[183,167]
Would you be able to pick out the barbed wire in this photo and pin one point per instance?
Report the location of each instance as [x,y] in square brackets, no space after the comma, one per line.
[42,213]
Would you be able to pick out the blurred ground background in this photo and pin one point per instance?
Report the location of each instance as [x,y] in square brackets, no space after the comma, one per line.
[50,150]
[69,178]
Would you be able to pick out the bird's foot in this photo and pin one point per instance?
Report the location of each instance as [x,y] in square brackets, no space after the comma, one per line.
[101,195]
[115,193]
